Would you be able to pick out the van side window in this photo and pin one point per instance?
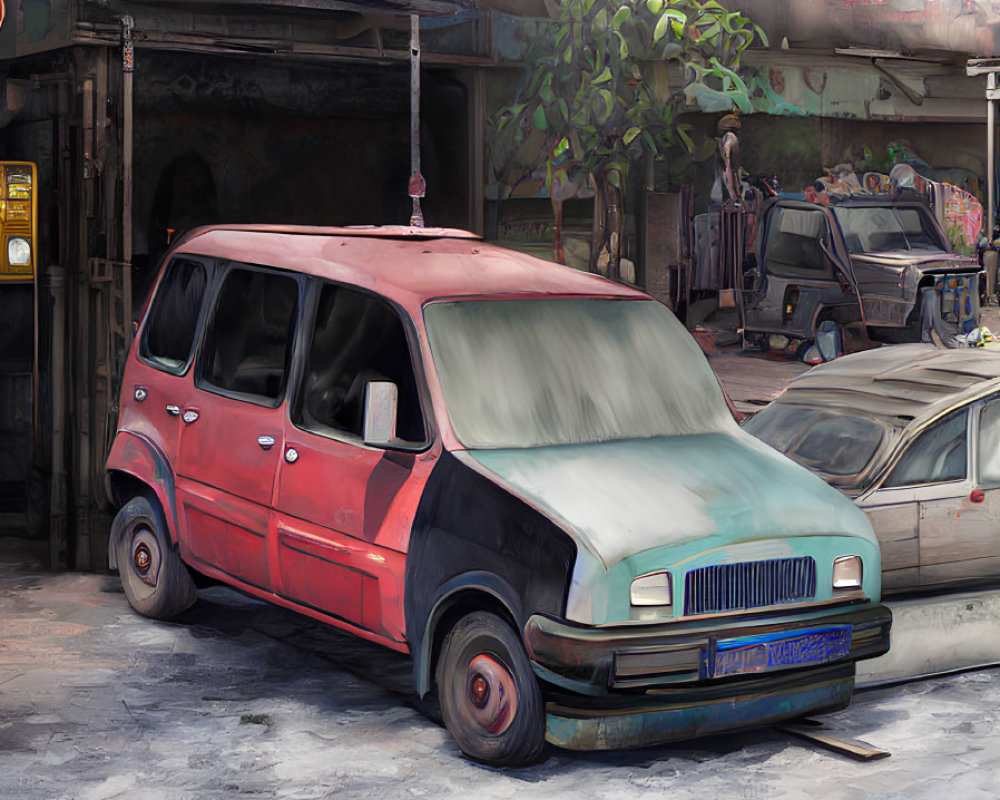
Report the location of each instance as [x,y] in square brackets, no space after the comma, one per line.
[792,246]
[937,455]
[356,338]
[173,315]
[250,334]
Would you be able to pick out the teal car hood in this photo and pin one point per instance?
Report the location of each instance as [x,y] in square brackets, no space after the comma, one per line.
[623,497]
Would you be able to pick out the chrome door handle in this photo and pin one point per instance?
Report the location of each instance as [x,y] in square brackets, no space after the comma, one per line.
[265,442]
[172,410]
[189,416]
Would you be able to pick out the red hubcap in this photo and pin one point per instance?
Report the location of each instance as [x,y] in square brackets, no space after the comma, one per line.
[142,558]
[480,691]
[492,694]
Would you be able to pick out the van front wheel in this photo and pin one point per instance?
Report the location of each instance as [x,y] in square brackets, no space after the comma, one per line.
[155,580]
[490,698]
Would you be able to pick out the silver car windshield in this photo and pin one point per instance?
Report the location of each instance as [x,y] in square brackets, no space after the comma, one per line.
[545,371]
[837,444]
[878,229]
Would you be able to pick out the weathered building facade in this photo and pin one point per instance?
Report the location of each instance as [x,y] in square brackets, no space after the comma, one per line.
[146,118]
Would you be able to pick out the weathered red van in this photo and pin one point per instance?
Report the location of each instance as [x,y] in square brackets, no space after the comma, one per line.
[525,476]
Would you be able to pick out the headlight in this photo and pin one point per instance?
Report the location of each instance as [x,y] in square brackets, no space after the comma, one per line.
[847,572]
[652,590]
[18,251]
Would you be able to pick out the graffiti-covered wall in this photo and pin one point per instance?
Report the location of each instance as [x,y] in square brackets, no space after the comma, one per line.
[971,27]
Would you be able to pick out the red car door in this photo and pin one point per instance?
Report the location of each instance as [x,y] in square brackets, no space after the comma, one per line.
[343,509]
[233,425]
[157,384]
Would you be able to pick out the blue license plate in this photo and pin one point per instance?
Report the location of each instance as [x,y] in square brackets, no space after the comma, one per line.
[781,650]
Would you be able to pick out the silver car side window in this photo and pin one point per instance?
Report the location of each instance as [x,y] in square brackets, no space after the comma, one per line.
[938,455]
[989,443]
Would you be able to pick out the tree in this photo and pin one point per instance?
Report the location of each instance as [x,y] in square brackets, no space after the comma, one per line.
[589,86]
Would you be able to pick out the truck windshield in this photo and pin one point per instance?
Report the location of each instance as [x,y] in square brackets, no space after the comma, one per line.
[544,371]
[877,229]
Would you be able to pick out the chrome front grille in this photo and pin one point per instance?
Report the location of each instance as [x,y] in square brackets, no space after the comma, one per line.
[750,584]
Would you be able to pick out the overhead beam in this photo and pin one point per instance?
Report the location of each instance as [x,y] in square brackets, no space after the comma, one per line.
[406,7]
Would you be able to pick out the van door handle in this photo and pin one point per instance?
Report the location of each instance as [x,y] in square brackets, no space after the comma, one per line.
[265,442]
[172,410]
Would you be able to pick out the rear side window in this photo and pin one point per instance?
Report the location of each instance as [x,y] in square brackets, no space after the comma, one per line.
[250,335]
[173,315]
[356,338]
[938,454]
[989,443]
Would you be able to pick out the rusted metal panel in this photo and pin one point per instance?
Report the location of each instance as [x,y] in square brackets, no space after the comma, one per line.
[896,527]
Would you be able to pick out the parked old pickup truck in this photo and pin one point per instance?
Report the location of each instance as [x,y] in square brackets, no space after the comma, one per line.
[873,266]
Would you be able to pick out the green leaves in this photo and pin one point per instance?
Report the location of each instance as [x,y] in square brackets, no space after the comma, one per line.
[538,119]
[593,79]
[603,105]
[622,15]
[662,26]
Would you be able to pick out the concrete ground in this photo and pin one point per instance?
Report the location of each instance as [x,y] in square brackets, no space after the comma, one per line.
[239,698]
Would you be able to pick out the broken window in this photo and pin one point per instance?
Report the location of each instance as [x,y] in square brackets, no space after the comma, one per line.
[173,315]
[834,443]
[356,338]
[250,335]
[873,229]
[938,455]
[793,243]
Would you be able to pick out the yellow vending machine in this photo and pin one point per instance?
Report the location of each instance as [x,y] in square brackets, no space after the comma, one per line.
[19,367]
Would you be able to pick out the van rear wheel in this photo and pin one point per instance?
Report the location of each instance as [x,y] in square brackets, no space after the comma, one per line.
[155,580]
[490,699]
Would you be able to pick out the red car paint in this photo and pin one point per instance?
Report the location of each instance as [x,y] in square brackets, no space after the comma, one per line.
[327,532]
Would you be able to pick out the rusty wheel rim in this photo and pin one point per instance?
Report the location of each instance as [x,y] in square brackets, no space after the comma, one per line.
[144,557]
[490,694]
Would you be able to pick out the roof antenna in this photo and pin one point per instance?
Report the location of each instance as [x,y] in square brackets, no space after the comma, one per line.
[418,186]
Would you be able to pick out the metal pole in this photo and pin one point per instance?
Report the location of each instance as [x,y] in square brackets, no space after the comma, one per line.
[418,187]
[991,86]
[128,67]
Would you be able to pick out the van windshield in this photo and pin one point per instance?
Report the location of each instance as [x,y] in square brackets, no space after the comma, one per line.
[544,371]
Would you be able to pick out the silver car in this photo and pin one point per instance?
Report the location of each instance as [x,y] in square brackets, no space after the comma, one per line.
[912,434]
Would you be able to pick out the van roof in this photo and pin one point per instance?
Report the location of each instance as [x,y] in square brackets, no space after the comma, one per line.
[409,265]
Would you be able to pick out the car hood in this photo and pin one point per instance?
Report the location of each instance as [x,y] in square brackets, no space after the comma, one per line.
[621,498]
[924,261]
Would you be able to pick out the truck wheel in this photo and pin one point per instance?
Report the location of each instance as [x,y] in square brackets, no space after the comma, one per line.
[155,580]
[490,698]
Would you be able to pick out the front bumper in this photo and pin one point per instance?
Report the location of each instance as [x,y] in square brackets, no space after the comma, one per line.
[633,685]
[584,723]
[596,660]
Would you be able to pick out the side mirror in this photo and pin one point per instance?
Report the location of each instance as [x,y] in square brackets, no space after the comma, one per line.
[381,402]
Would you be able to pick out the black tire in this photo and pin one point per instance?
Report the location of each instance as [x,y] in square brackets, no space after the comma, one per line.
[155,580]
[490,698]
